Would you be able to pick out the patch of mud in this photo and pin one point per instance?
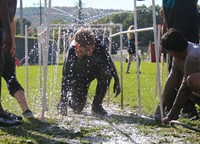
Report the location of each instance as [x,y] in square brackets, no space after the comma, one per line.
[117,127]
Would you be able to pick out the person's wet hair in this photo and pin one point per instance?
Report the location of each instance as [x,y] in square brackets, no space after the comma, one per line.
[174,40]
[85,37]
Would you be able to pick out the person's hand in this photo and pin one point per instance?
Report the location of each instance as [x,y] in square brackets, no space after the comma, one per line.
[116,88]
[13,51]
[165,120]
[17,62]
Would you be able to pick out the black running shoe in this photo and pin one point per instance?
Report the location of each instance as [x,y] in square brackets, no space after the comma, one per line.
[7,121]
[14,116]
[99,110]
[62,109]
[28,114]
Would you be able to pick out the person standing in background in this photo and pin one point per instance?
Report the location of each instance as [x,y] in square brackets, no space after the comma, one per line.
[131,49]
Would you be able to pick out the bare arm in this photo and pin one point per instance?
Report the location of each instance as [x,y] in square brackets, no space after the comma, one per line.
[13,31]
[173,81]
[4,18]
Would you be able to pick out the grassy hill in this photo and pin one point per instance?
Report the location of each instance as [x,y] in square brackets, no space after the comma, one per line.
[64,14]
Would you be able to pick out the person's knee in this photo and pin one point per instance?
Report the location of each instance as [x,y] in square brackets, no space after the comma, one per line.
[13,86]
[193,82]
[75,99]
[77,105]
[190,81]
[108,77]
[108,74]
[105,79]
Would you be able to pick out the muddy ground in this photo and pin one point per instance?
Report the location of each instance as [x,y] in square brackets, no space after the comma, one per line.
[119,127]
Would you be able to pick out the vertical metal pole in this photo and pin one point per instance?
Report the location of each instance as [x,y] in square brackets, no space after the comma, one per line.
[64,45]
[52,48]
[110,46]
[121,68]
[57,56]
[137,58]
[158,83]
[40,12]
[80,18]
[26,58]
[45,60]
[45,12]
[21,18]
[40,46]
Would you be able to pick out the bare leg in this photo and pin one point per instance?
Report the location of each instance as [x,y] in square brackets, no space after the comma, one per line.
[128,67]
[130,59]
[20,97]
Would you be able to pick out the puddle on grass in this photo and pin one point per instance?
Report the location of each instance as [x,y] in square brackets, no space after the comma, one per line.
[117,127]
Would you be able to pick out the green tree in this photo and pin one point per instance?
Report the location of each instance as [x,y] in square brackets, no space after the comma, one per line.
[144,19]
[25,22]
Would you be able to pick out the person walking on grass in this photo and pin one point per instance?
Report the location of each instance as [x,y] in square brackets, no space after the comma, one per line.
[131,49]
[87,59]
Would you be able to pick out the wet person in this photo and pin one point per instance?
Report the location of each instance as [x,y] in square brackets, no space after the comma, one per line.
[87,59]
[182,15]
[131,49]
[9,71]
[5,45]
[185,72]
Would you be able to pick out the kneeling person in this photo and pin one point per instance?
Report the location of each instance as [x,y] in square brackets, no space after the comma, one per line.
[86,60]
[185,73]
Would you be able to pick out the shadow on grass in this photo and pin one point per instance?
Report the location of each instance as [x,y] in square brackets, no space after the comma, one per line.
[37,131]
[50,131]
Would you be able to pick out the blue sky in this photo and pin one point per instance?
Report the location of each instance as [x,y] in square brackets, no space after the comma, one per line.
[104,4]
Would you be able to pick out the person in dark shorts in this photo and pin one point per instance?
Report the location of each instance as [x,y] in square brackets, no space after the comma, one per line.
[5,45]
[131,49]
[182,15]
[9,73]
[86,60]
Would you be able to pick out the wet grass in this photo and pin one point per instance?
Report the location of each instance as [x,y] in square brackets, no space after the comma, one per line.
[52,130]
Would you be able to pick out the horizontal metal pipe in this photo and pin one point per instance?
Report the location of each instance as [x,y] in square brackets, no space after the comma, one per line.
[132,31]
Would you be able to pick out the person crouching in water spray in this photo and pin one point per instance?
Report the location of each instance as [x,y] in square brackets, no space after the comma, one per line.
[87,59]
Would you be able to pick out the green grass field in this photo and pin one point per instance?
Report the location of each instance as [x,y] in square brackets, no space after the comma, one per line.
[130,88]
[149,101]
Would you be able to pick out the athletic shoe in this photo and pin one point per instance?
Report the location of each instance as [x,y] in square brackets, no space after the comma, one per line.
[14,116]
[62,108]
[99,110]
[62,111]
[190,112]
[139,72]
[157,115]
[7,121]
[190,115]
[126,60]
[28,114]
